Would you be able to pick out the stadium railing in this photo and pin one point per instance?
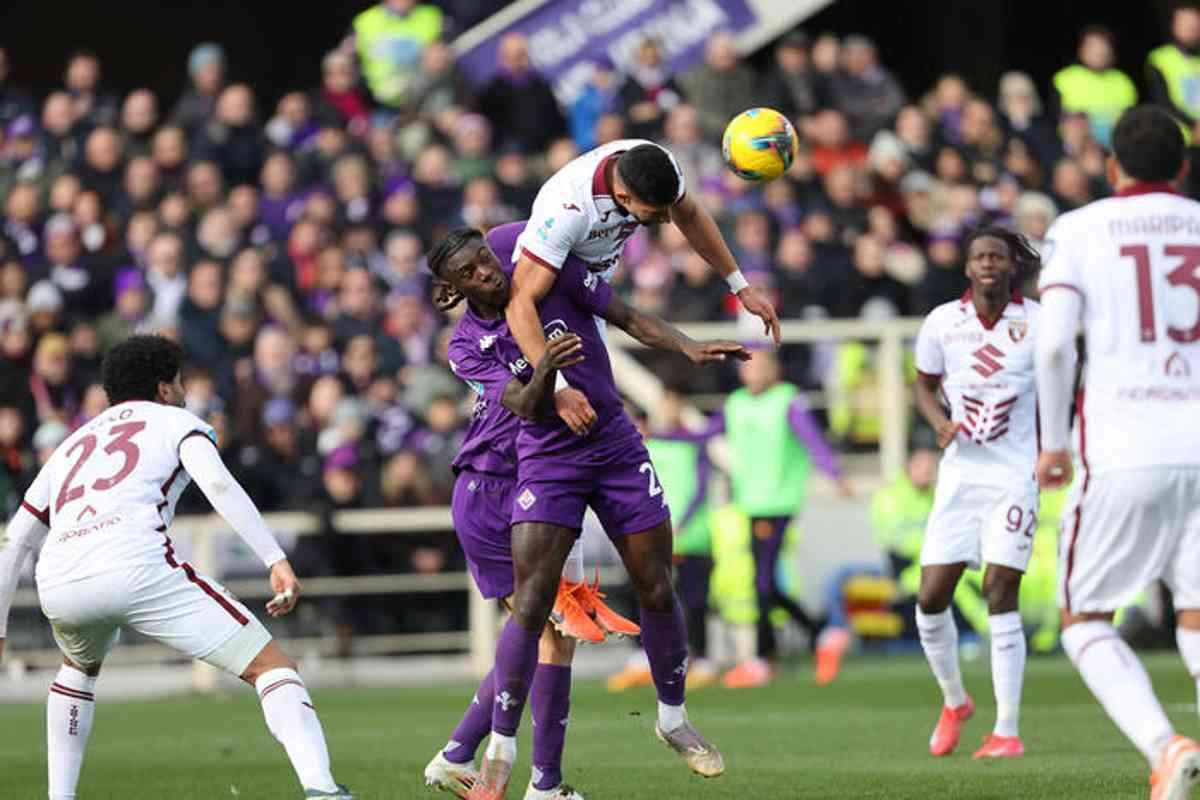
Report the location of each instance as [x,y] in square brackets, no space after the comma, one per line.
[640,384]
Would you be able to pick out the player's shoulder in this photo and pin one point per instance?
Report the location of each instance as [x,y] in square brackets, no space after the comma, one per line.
[945,313]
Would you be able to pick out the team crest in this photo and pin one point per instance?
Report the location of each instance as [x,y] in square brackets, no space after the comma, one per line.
[1017,331]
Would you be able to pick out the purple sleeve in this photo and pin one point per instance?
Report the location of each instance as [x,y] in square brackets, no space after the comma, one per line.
[801,421]
[716,425]
[703,471]
[486,376]
[586,289]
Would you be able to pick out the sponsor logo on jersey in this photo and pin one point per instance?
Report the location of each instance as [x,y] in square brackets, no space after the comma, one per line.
[590,280]
[986,358]
[1177,367]
[543,230]
[526,501]
[519,366]
[555,328]
[572,207]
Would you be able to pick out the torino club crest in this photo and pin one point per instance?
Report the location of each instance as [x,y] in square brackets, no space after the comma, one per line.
[1017,330]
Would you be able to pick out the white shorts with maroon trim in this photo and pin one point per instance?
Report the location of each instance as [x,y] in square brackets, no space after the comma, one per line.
[1124,529]
[973,524]
[174,606]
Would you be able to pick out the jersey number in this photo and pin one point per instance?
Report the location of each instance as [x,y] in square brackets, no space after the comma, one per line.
[1183,275]
[121,442]
[655,487]
[1015,516]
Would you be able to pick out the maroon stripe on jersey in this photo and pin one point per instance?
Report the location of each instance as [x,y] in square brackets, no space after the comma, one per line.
[1072,287]
[525,253]
[280,685]
[1082,495]
[968,399]
[600,184]
[58,688]
[1004,403]
[166,487]
[214,594]
[1097,640]
[169,549]
[197,432]
[43,516]
[997,434]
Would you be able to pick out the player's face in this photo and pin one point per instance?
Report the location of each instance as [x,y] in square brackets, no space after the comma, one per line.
[172,393]
[643,212]
[475,271]
[989,264]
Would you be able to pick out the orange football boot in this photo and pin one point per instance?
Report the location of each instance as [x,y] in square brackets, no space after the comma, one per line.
[949,728]
[1000,747]
[1178,770]
[832,644]
[570,615]
[592,600]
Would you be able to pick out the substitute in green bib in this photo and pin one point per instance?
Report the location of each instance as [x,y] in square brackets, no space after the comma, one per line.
[390,38]
[1092,86]
[773,443]
[1173,70]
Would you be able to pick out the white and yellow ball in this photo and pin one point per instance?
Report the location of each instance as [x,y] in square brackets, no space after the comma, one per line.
[759,144]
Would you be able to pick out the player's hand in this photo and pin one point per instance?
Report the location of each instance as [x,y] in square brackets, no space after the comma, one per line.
[573,406]
[702,352]
[563,351]
[1054,469]
[754,301]
[286,587]
[946,431]
[445,296]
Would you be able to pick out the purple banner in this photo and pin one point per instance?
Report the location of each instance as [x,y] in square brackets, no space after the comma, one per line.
[564,35]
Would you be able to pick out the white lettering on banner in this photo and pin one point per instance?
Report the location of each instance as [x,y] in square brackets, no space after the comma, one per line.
[563,38]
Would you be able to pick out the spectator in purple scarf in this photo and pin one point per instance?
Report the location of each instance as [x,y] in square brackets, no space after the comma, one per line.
[519,102]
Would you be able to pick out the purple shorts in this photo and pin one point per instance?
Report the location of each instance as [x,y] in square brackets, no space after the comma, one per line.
[625,494]
[482,508]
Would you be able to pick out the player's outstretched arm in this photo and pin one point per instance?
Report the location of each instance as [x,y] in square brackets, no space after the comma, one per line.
[535,399]
[530,282]
[24,534]
[1054,362]
[200,458]
[661,335]
[702,233]
[931,408]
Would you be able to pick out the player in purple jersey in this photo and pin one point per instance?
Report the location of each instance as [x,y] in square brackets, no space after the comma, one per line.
[560,473]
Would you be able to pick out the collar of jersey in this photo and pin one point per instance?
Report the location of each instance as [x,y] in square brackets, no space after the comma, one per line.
[1146,187]
[1015,307]
[601,190]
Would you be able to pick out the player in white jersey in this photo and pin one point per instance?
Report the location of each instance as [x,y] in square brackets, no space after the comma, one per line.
[99,511]
[975,386]
[1128,269]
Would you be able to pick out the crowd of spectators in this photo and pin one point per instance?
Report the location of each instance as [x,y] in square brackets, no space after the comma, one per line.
[282,245]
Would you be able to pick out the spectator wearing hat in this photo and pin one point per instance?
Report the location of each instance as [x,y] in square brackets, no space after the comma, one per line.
[85,285]
[519,102]
[206,71]
[45,305]
[792,86]
[721,86]
[131,313]
[648,93]
[864,91]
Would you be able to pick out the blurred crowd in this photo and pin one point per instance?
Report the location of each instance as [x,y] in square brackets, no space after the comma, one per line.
[283,244]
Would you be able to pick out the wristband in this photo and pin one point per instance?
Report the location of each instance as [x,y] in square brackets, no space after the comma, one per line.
[737,281]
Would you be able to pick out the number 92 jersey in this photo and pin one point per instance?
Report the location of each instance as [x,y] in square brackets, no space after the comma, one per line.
[1134,259]
[109,491]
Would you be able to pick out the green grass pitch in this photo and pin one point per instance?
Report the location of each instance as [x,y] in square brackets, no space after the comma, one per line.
[863,737]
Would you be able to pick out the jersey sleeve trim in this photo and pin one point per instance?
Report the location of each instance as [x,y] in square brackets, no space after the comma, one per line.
[1061,285]
[43,516]
[527,253]
[196,432]
[924,374]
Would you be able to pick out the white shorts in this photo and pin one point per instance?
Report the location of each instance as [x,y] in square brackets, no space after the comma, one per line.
[974,524]
[172,605]
[1123,530]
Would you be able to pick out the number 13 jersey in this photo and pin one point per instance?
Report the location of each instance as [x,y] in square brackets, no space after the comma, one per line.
[109,491]
[1134,259]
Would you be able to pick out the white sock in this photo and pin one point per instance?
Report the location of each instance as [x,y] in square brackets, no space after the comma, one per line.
[502,748]
[671,717]
[293,721]
[939,640]
[1008,669]
[1119,681]
[70,706]
[1189,648]
[573,568]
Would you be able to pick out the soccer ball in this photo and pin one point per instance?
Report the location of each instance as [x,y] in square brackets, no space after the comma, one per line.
[759,144]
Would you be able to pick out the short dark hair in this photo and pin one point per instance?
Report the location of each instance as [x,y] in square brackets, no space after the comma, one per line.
[1101,31]
[1026,259]
[1148,144]
[650,174]
[450,244]
[133,369]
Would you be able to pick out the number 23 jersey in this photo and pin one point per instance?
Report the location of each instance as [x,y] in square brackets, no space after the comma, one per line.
[1134,260]
[108,493]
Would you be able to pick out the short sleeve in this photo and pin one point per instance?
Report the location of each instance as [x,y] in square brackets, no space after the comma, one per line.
[586,289]
[37,497]
[929,356]
[552,233]
[472,363]
[1060,261]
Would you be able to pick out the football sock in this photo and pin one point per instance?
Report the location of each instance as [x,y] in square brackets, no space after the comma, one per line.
[516,660]
[293,721]
[1119,681]
[550,710]
[1008,669]
[1189,648]
[475,724]
[573,567]
[664,637]
[70,706]
[939,640]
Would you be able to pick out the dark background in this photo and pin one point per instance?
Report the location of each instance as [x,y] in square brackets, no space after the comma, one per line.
[277,46]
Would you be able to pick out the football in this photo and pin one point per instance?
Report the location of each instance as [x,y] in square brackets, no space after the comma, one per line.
[759,144]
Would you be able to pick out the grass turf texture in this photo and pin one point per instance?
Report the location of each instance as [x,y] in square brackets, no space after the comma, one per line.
[863,737]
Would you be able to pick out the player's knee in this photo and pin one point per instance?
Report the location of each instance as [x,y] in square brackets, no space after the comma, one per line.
[657,595]
[531,603]
[933,599]
[1001,592]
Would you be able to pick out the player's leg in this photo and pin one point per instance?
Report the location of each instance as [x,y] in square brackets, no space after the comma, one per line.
[939,641]
[1187,636]
[550,710]
[1185,579]
[693,575]
[1001,588]
[70,708]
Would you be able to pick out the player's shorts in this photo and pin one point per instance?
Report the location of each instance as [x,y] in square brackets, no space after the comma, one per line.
[625,494]
[1124,529]
[174,606]
[974,524]
[482,511]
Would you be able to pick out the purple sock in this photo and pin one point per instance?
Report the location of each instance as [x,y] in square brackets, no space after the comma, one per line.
[516,659]
[475,725]
[550,708]
[664,636]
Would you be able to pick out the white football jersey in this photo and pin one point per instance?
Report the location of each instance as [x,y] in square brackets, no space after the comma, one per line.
[574,213]
[988,384]
[1135,261]
[108,492]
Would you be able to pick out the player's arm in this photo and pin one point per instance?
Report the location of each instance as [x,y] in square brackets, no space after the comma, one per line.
[24,535]
[531,281]
[535,400]
[1054,364]
[200,458]
[701,231]
[661,335]
[930,407]
[806,429]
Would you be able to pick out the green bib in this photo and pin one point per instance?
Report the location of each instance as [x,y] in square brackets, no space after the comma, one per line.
[1100,95]
[769,467]
[389,48]
[1182,74]
[676,462]
[899,512]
